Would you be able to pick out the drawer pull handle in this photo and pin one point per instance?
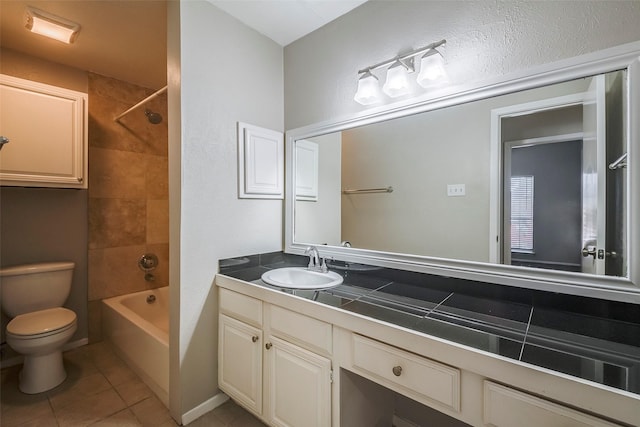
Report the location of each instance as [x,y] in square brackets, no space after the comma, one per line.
[254,338]
[397,370]
[268,345]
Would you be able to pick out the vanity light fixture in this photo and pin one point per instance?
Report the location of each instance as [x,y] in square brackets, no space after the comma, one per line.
[397,83]
[397,76]
[52,26]
[368,89]
[431,68]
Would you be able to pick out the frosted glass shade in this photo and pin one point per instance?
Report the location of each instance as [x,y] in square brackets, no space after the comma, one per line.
[431,69]
[368,89]
[397,83]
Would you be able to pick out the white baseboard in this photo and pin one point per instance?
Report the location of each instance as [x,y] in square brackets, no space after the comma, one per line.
[204,407]
[17,360]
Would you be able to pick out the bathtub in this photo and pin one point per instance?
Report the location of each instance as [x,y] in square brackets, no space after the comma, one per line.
[139,332]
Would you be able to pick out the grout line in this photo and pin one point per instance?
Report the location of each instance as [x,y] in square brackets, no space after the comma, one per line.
[438,305]
[526,332]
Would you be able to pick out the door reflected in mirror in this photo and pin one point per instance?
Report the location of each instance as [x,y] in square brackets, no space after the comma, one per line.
[552,202]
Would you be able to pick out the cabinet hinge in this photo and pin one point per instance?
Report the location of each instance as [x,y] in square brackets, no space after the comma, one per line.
[331,376]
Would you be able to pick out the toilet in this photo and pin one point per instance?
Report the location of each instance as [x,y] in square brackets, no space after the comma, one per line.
[32,295]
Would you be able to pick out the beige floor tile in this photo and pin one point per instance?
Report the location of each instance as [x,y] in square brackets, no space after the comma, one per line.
[29,412]
[246,420]
[151,412]
[124,418]
[133,391]
[228,412]
[17,408]
[73,390]
[168,423]
[118,374]
[91,409]
[78,363]
[208,420]
[43,421]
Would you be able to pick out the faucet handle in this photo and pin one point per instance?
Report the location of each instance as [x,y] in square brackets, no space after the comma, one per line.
[324,266]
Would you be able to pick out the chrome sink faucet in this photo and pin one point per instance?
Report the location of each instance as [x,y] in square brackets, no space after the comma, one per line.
[314,260]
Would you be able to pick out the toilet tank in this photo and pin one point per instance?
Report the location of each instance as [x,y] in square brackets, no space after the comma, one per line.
[32,287]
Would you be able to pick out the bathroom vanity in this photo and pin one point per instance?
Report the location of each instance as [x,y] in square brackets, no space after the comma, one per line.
[389,347]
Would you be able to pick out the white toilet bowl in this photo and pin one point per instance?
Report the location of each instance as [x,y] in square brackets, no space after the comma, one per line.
[39,336]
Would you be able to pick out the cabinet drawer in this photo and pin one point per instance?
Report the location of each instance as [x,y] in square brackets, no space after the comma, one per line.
[506,407]
[241,307]
[407,373]
[300,329]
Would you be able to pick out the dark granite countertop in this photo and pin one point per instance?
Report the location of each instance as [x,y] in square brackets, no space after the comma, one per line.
[593,339]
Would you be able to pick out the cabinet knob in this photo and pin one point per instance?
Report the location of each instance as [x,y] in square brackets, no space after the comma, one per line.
[268,345]
[397,370]
[254,338]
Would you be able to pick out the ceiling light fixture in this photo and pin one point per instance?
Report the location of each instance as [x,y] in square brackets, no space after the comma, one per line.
[55,27]
[397,78]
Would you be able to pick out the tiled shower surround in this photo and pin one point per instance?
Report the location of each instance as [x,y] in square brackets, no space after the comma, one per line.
[128,192]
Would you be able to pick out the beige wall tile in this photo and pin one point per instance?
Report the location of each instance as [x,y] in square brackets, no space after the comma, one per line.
[117,222]
[158,221]
[157,182]
[117,174]
[114,271]
[128,189]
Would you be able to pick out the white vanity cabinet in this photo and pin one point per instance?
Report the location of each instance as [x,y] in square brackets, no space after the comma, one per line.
[310,364]
[275,362]
[46,127]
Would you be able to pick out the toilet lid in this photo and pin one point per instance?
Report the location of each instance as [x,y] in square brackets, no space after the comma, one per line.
[42,321]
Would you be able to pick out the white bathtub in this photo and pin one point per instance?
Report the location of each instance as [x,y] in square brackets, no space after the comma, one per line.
[139,332]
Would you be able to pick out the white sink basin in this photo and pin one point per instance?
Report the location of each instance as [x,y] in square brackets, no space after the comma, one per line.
[301,278]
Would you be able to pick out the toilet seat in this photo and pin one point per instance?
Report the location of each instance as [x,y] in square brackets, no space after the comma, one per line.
[41,323]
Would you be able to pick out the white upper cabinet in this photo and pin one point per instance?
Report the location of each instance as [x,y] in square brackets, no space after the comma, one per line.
[47,131]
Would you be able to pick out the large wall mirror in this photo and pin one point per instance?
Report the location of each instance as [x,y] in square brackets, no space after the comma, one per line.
[528,182]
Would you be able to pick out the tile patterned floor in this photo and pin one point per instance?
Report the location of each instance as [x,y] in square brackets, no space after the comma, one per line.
[100,391]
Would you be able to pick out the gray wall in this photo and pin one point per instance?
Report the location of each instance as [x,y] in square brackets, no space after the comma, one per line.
[221,72]
[45,224]
[484,40]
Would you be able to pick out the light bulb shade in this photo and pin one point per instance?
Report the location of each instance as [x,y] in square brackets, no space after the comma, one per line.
[368,89]
[431,69]
[397,83]
[46,24]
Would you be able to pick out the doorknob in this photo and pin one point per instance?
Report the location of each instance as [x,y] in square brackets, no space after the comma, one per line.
[3,140]
[586,252]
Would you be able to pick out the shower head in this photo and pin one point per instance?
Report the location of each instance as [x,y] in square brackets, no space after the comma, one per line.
[154,118]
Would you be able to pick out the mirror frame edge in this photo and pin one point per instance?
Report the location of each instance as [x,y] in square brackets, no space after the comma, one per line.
[625,289]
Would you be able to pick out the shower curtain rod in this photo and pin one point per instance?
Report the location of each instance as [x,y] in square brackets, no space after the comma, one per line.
[148,98]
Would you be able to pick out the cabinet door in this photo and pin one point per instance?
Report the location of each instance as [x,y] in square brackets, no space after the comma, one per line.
[298,386]
[240,362]
[46,127]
